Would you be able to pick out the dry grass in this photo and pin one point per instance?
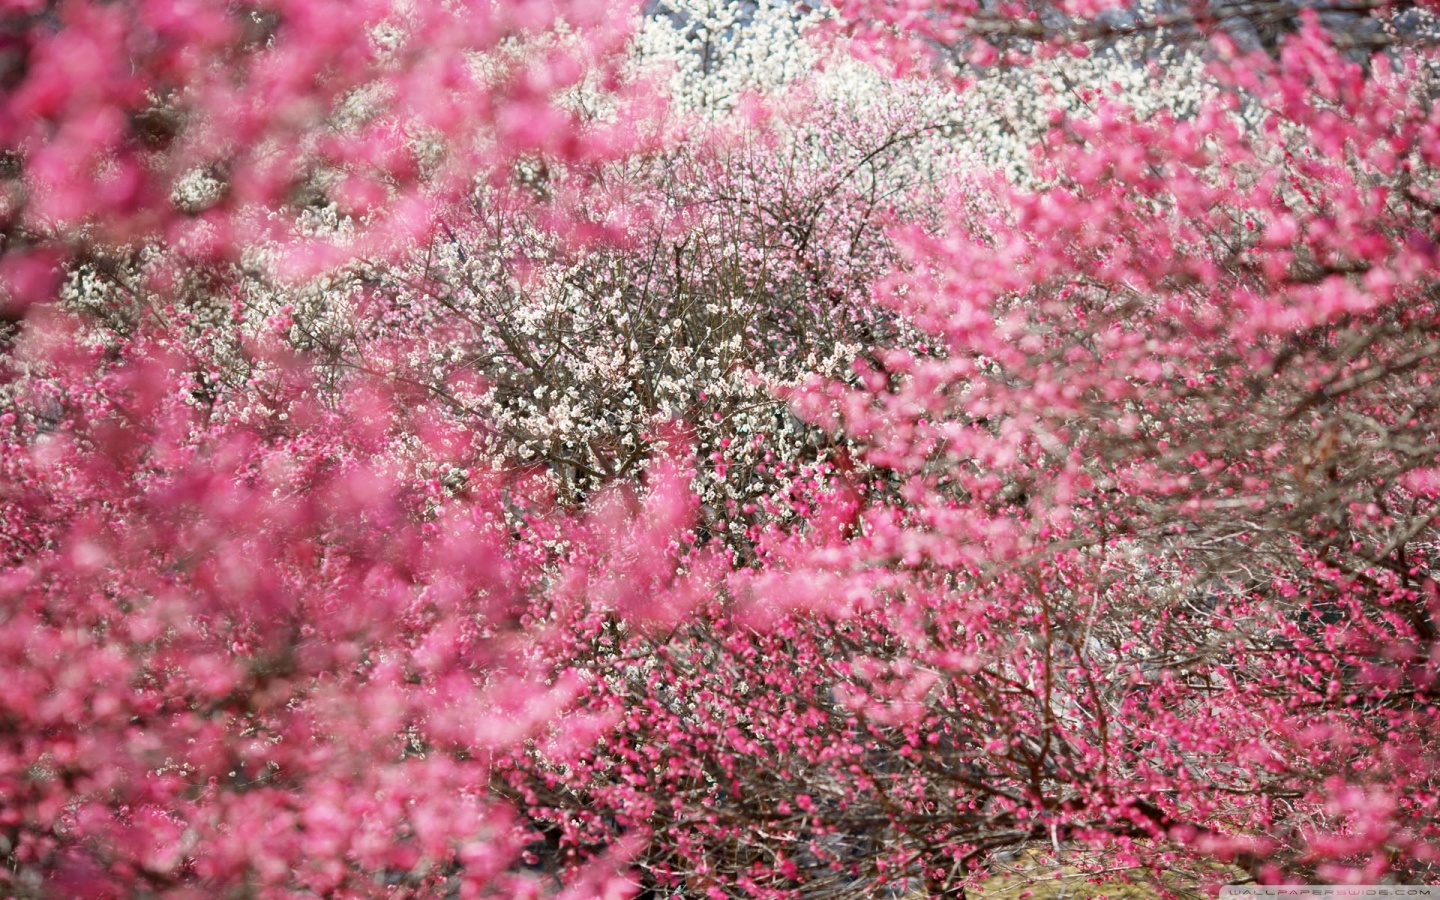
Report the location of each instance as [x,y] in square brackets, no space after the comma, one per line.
[1035,876]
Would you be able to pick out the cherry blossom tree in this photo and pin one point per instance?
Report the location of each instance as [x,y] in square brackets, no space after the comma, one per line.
[1135,564]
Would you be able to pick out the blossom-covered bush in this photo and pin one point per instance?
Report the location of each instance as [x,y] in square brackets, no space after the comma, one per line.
[377,380]
[1134,566]
[734,264]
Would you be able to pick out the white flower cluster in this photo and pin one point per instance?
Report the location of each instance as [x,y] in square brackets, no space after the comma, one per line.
[583,362]
[718,50]
[1008,112]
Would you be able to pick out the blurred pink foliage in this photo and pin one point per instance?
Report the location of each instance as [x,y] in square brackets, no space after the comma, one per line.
[381,108]
[270,657]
